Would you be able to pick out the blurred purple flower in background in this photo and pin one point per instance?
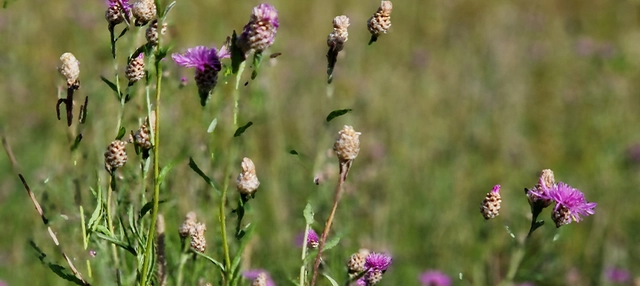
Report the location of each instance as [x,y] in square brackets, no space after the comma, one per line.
[434,278]
[252,274]
[617,275]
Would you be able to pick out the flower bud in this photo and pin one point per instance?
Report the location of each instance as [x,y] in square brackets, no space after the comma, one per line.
[135,69]
[247,181]
[152,32]
[347,144]
[490,206]
[115,156]
[144,11]
[70,69]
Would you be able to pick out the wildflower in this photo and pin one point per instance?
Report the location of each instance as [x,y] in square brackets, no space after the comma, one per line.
[375,265]
[260,32]
[70,69]
[570,203]
[144,11]
[135,69]
[380,22]
[312,239]
[115,156]
[247,182]
[490,206]
[207,64]
[617,275]
[434,278]
[536,201]
[356,263]
[258,276]
[117,11]
[336,41]
[152,32]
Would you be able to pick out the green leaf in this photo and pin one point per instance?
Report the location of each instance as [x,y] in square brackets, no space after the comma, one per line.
[163,173]
[121,133]
[76,143]
[237,56]
[332,243]
[293,152]
[118,243]
[257,60]
[195,168]
[308,214]
[167,10]
[333,282]
[97,214]
[337,113]
[212,126]
[103,230]
[215,262]
[235,265]
[242,129]
[147,207]
[112,86]
[124,31]
[161,53]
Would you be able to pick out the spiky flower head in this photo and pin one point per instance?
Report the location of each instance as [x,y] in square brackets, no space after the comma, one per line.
[198,241]
[188,226]
[312,239]
[347,144]
[70,69]
[207,66]
[260,32]
[135,69]
[247,182]
[152,32]
[490,206]
[434,278]
[117,11]
[379,261]
[380,22]
[144,11]
[115,156]
[258,276]
[570,203]
[340,35]
[356,263]
[536,194]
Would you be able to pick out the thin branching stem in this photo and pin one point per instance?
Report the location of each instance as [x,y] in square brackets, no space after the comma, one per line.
[303,268]
[114,249]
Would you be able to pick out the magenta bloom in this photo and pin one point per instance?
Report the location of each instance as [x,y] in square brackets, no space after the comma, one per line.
[253,274]
[312,239]
[434,278]
[207,64]
[261,30]
[570,203]
[119,3]
[617,275]
[377,261]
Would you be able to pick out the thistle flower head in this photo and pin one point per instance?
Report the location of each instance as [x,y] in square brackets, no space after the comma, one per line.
[356,263]
[70,69]
[347,144]
[380,22]
[135,69]
[198,241]
[536,194]
[115,156]
[152,35]
[377,261]
[490,206]
[312,239]
[144,11]
[117,11]
[247,182]
[340,35]
[188,226]
[434,278]
[207,66]
[570,204]
[259,277]
[261,30]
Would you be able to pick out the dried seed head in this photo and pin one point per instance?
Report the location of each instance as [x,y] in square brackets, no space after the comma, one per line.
[490,206]
[144,11]
[135,69]
[247,182]
[347,144]
[70,69]
[261,280]
[142,137]
[188,226]
[373,277]
[547,178]
[152,32]
[561,216]
[340,35]
[115,156]
[261,30]
[355,264]
[198,241]
[545,182]
[380,22]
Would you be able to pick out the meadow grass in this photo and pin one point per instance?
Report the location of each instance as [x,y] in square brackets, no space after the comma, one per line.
[458,97]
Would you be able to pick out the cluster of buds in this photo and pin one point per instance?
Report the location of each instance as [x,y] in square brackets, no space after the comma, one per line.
[152,34]
[115,156]
[247,182]
[260,32]
[490,206]
[143,11]
[135,69]
[372,264]
[117,12]
[195,230]
[380,22]
[336,41]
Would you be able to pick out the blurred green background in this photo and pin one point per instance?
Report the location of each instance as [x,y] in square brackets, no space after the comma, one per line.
[459,96]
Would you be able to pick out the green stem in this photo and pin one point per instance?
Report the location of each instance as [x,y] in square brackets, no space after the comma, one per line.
[514,264]
[303,268]
[114,250]
[156,175]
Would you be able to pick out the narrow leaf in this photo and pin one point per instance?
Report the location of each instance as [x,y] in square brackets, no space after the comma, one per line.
[147,207]
[121,133]
[76,143]
[111,85]
[333,282]
[332,243]
[163,173]
[212,126]
[337,113]
[195,168]
[167,10]
[293,152]
[242,129]
[308,214]
[215,262]
[243,243]
[118,243]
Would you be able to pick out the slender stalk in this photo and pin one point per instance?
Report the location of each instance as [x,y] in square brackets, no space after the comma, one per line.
[114,249]
[303,268]
[156,174]
[344,170]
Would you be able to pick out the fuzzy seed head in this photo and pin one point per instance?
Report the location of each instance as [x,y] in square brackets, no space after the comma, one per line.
[70,69]
[114,15]
[356,262]
[373,277]
[490,206]
[152,32]
[261,280]
[142,137]
[198,241]
[135,69]
[561,216]
[380,22]
[144,11]
[261,30]
[188,226]
[115,156]
[247,182]
[547,178]
[340,35]
[347,144]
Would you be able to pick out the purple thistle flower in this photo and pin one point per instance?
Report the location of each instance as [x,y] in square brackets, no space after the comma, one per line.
[312,239]
[377,261]
[617,275]
[207,64]
[570,203]
[117,11]
[252,274]
[434,278]
[261,30]
[121,3]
